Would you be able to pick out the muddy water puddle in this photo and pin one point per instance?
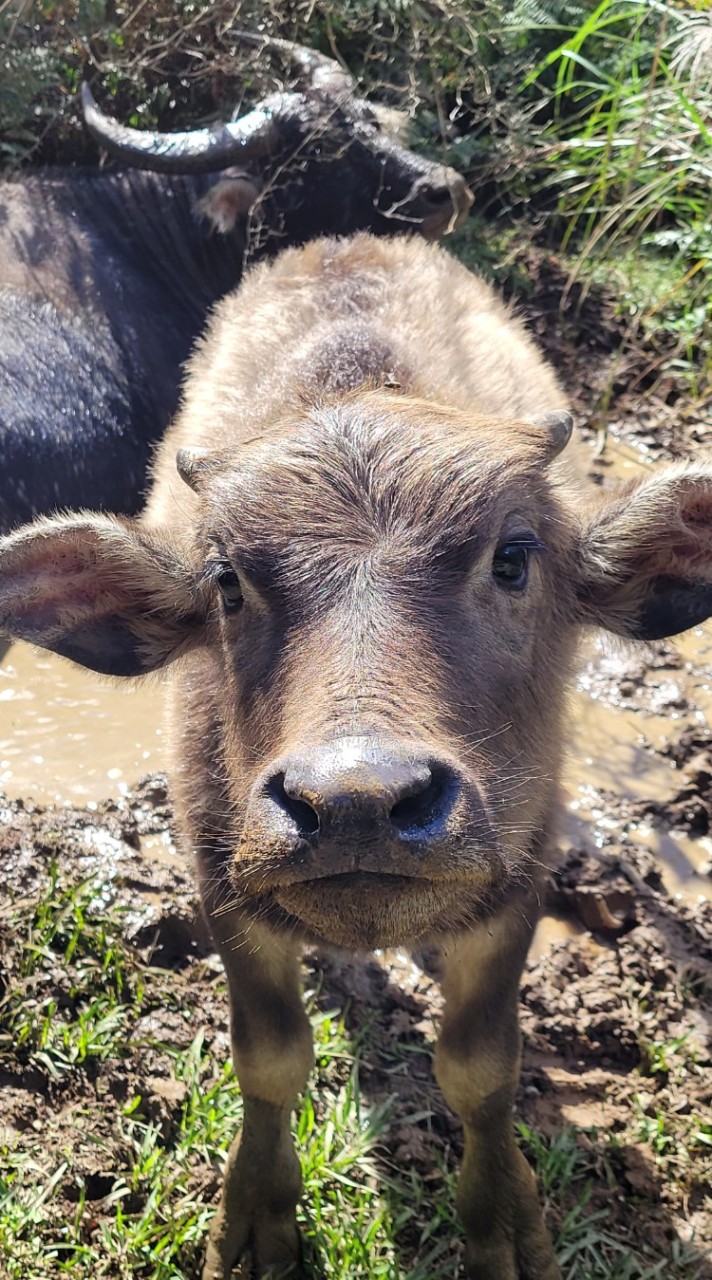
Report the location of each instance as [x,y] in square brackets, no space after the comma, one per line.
[628,706]
[68,736]
[615,762]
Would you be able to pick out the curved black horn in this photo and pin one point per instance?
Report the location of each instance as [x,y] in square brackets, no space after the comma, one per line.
[315,70]
[196,151]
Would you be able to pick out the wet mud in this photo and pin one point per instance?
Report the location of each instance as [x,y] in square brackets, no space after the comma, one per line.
[617,993]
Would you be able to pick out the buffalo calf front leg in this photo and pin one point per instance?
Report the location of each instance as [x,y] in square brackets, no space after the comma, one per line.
[477,1066]
[272,1052]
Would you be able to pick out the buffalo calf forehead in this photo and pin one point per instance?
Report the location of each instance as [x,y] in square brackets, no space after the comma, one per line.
[359,475]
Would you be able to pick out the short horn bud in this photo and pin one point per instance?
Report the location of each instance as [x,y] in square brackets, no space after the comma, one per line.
[557,425]
[192,465]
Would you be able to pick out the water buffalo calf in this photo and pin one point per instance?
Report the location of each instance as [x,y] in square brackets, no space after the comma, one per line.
[372,590]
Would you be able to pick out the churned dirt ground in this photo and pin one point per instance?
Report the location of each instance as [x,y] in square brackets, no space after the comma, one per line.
[614,1105]
[616,1027]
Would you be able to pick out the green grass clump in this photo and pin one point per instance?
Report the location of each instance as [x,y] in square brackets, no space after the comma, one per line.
[70,981]
[153,1220]
[590,1245]
[628,147]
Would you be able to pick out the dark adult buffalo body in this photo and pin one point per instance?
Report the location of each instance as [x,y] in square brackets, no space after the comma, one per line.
[372,590]
[105,281]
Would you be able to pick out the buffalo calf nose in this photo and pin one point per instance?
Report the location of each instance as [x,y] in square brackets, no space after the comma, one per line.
[355,786]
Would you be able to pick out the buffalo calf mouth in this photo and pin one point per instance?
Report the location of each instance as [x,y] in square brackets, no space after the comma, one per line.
[361,911]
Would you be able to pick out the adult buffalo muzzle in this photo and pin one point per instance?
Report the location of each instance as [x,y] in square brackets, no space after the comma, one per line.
[445,200]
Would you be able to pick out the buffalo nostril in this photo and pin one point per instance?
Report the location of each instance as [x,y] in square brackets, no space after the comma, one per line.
[426,805]
[305,818]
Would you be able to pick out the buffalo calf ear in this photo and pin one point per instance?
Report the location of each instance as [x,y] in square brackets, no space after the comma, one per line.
[104,592]
[645,566]
[672,606]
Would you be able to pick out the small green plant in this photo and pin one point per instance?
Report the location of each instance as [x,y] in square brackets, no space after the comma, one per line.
[664,1057]
[59,1026]
[72,921]
[656,1131]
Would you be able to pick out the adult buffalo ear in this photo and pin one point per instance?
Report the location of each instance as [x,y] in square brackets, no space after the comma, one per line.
[645,565]
[102,591]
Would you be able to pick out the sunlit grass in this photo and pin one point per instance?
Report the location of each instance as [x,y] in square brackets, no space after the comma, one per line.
[588,1245]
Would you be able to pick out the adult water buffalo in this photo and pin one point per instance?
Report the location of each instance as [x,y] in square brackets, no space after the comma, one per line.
[106,280]
[372,591]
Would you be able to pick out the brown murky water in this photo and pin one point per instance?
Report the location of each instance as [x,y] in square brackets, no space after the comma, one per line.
[622,714]
[614,748]
[69,736]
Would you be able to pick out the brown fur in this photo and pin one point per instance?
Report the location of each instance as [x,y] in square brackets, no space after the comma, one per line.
[363,415]
[439,333]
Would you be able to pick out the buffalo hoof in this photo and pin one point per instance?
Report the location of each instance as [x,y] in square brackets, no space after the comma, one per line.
[511,1242]
[505,1262]
[267,1251]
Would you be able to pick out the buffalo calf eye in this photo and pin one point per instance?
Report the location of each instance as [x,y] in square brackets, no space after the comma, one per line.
[229,587]
[510,564]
